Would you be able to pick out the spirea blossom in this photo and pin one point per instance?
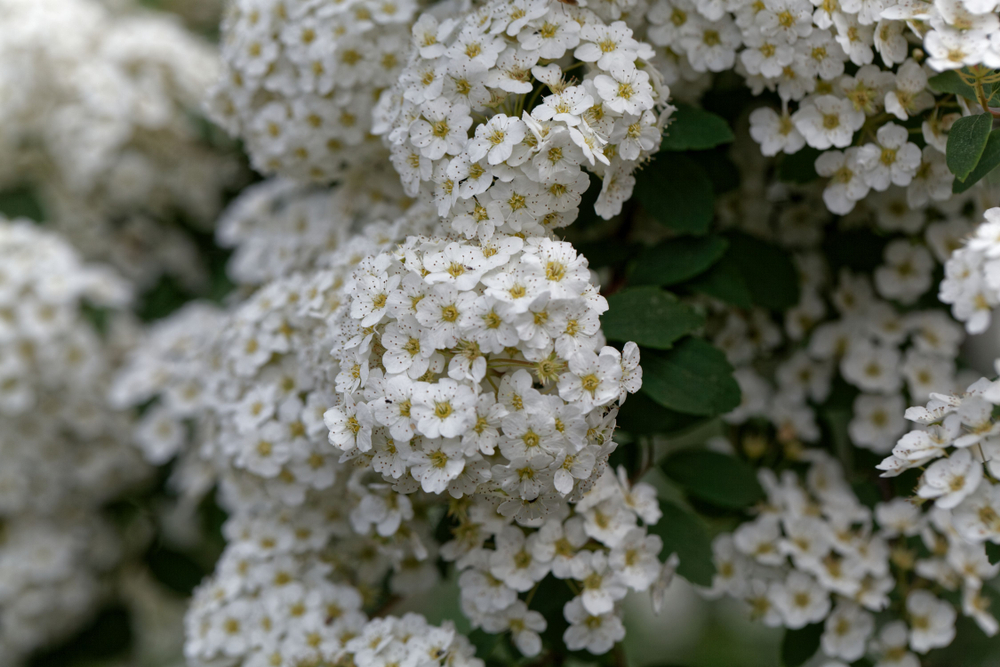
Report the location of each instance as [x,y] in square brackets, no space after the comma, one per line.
[97,121]
[487,122]
[65,451]
[299,81]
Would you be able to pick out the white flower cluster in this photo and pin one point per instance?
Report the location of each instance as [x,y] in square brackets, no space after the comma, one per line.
[95,119]
[300,80]
[972,276]
[272,602]
[466,368]
[864,327]
[278,226]
[801,49]
[600,545]
[957,33]
[488,120]
[817,555]
[64,453]
[955,443]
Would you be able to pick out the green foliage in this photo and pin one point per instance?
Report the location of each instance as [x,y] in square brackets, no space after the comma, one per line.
[677,260]
[691,128]
[649,316]
[800,645]
[21,203]
[993,552]
[109,635]
[799,167]
[642,416]
[724,282]
[752,272]
[715,478]
[767,270]
[684,534]
[693,378]
[677,191]
[951,82]
[966,142]
[989,160]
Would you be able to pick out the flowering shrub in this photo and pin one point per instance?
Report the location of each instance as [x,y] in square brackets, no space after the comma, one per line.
[541,306]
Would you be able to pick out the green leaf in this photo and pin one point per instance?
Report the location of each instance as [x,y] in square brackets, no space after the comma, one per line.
[800,645]
[649,316]
[966,142]
[676,191]
[767,270]
[601,253]
[677,260]
[951,82]
[695,129]
[21,203]
[684,534]
[724,282]
[716,478]
[693,377]
[987,163]
[799,167]
[993,552]
[640,415]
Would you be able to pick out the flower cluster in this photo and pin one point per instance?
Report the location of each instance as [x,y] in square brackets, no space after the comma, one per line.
[600,545]
[467,367]
[868,329]
[972,276]
[299,82]
[802,51]
[272,601]
[488,119]
[277,226]
[96,120]
[64,452]
[955,444]
[957,34]
[817,555]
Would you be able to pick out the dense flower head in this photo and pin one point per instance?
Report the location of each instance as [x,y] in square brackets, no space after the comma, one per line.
[499,113]
[65,452]
[972,276]
[300,80]
[815,554]
[279,226]
[96,120]
[473,368]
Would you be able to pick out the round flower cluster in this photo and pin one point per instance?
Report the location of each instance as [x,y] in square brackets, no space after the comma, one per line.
[273,601]
[955,34]
[955,443]
[817,555]
[489,121]
[95,119]
[802,50]
[599,544]
[64,452]
[467,367]
[277,226]
[869,329]
[300,80]
[972,276]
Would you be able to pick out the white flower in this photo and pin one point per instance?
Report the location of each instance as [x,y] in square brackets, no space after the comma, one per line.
[800,600]
[846,632]
[596,633]
[774,133]
[932,621]
[951,480]
[495,140]
[828,121]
